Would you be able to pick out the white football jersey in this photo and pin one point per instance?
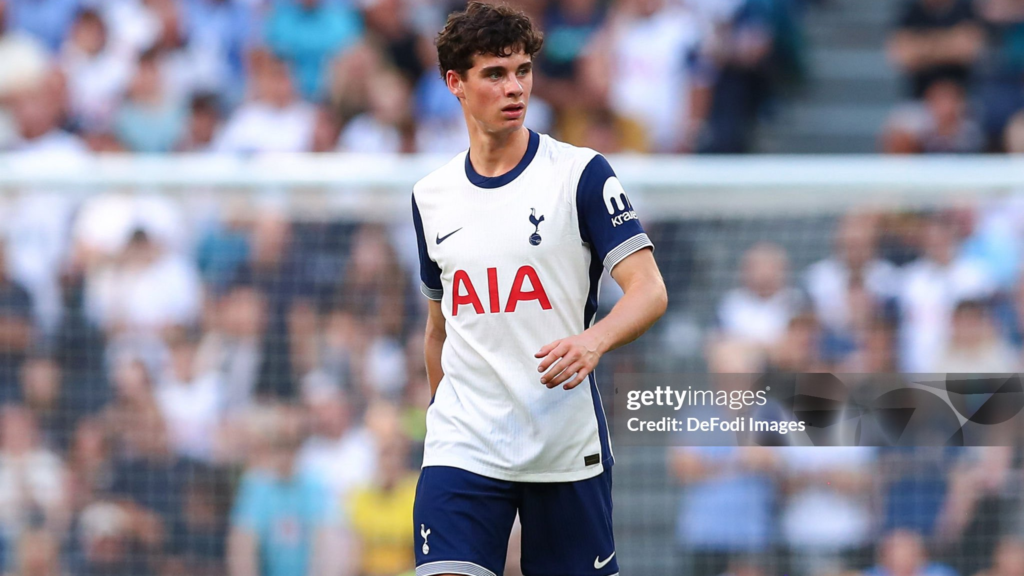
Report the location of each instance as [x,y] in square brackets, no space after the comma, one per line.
[516,262]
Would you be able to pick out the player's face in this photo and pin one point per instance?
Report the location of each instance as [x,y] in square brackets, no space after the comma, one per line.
[495,91]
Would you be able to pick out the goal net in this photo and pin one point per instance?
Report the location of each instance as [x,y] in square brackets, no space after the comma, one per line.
[210,362]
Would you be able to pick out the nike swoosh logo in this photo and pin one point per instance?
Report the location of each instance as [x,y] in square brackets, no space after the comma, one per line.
[445,237]
[598,563]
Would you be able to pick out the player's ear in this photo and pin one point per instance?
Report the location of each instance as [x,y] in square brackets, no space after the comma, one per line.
[455,84]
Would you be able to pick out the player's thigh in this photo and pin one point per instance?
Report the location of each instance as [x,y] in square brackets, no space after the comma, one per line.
[461,522]
[567,528]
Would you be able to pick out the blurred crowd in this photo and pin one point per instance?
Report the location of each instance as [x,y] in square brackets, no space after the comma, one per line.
[211,387]
[934,292]
[962,63]
[249,76]
[204,390]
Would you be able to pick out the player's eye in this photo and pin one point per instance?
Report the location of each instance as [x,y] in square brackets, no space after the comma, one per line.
[494,75]
[524,71]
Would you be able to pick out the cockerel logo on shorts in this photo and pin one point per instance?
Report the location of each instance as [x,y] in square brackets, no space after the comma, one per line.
[424,532]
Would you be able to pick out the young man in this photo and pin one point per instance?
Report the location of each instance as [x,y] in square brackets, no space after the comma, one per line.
[513,236]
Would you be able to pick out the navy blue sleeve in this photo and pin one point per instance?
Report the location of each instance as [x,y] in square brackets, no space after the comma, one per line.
[430,272]
[608,222]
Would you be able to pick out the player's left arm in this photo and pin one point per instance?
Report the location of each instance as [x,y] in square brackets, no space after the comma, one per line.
[644,301]
[609,225]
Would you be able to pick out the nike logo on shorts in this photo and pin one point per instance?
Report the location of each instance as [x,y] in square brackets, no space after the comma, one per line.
[598,563]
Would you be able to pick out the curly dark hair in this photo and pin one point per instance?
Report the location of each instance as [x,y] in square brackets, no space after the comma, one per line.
[493,30]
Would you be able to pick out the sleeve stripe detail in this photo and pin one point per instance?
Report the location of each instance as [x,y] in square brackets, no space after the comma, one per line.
[435,294]
[626,248]
[452,567]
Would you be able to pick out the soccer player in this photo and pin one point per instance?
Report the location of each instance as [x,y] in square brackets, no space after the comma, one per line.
[513,236]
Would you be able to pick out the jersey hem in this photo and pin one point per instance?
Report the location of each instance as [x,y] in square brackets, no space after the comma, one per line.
[510,476]
[452,567]
[627,247]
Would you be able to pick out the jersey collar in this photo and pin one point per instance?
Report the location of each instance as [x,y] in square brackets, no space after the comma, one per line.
[499,181]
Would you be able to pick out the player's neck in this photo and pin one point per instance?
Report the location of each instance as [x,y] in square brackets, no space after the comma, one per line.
[496,154]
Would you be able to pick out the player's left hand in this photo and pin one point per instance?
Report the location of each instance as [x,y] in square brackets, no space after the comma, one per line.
[573,358]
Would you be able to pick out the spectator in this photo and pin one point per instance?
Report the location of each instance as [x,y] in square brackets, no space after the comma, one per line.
[388,28]
[721,483]
[32,479]
[931,288]
[233,344]
[106,535]
[980,495]
[340,452]
[280,525]
[229,30]
[849,289]
[277,269]
[190,401]
[876,350]
[96,74]
[307,34]
[854,257]
[761,309]
[327,130]
[133,406]
[647,63]
[975,346]
[602,130]
[914,488]
[275,120]
[148,484]
[38,109]
[38,221]
[200,538]
[799,348]
[1008,558]
[16,331]
[79,348]
[41,390]
[724,484]
[742,53]
[341,349]
[827,516]
[89,464]
[38,554]
[568,27]
[47,20]
[203,124]
[381,510]
[940,124]
[149,120]
[388,126]
[902,553]
[935,40]
[187,65]
[145,291]
[223,247]
[104,226]
[1000,90]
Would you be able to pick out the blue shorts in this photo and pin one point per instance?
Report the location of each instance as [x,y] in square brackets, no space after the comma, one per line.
[462,522]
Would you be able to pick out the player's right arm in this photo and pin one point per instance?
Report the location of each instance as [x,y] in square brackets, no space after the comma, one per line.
[430,276]
[433,341]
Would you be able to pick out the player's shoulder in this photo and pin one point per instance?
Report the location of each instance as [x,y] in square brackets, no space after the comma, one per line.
[574,161]
[562,152]
[443,177]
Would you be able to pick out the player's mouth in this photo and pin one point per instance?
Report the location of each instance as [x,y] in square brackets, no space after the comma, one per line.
[513,111]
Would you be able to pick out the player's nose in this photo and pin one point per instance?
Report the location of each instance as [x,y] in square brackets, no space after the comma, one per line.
[513,87]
